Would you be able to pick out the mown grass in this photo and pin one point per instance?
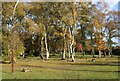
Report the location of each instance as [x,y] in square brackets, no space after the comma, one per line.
[55,68]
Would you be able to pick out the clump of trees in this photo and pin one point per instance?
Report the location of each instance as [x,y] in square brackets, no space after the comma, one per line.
[44,28]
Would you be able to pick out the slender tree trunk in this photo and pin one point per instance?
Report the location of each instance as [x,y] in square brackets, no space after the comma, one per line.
[83,40]
[100,53]
[104,53]
[92,44]
[13,32]
[32,50]
[64,46]
[72,34]
[74,51]
[69,50]
[109,44]
[100,35]
[93,52]
[46,45]
[71,30]
[73,60]
[71,42]
[83,52]
[72,47]
[42,48]
[73,54]
[110,50]
[63,54]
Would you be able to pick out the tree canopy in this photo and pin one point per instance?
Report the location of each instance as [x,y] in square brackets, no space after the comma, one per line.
[43,28]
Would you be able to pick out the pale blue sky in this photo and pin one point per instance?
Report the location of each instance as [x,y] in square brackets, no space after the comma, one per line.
[111,3]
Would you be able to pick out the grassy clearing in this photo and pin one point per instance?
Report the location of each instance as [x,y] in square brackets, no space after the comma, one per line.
[104,68]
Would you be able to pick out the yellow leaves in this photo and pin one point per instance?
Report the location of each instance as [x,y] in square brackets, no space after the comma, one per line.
[74,43]
[58,34]
[41,25]
[82,22]
[102,24]
[70,37]
[74,14]
[28,22]
[96,23]
[100,41]
[36,8]
[70,18]
[20,10]
[101,45]
[76,32]
[31,29]
[71,22]
[7,9]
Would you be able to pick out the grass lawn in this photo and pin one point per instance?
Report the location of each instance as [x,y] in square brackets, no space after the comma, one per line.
[55,68]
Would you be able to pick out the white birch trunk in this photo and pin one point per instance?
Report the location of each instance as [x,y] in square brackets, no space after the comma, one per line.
[42,47]
[99,53]
[63,56]
[46,46]
[64,51]
[73,54]
[69,50]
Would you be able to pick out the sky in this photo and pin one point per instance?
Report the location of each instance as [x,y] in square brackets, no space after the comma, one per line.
[111,3]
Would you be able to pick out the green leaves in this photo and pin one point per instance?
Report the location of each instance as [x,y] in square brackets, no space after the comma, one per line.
[35,20]
[20,10]
[9,42]
[7,9]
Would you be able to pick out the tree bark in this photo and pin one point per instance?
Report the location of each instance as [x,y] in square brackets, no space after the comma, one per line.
[92,44]
[72,47]
[83,52]
[69,50]
[42,48]
[46,45]
[99,53]
[104,53]
[93,52]
[110,52]
[109,44]
[64,46]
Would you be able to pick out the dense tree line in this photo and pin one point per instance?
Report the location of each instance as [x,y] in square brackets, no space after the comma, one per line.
[64,28]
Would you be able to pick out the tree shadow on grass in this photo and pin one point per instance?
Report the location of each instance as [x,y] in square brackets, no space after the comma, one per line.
[68,69]
[94,64]
[5,62]
[93,70]
[32,66]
